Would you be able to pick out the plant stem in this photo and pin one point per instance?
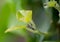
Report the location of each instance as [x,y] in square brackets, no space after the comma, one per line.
[36,31]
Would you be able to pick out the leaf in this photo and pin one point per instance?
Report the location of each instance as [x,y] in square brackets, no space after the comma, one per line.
[14,28]
[12,5]
[18,30]
[42,20]
[4,16]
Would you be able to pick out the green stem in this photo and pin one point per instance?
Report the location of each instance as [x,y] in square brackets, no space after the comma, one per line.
[36,31]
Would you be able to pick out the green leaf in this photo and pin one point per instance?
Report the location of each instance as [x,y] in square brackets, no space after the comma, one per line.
[14,28]
[12,5]
[42,20]
[4,16]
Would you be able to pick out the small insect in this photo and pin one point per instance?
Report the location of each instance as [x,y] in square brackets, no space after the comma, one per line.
[30,26]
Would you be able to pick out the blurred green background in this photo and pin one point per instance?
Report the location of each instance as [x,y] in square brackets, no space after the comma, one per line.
[41,17]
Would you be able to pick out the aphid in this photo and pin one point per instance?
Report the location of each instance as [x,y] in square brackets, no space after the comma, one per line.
[30,26]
